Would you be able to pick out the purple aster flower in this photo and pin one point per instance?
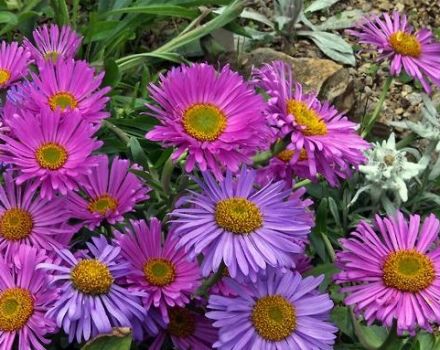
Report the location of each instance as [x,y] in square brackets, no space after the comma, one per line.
[92,301]
[245,227]
[279,311]
[161,270]
[24,299]
[109,193]
[396,271]
[321,137]
[215,116]
[14,61]
[52,150]
[68,85]
[187,329]
[417,53]
[25,218]
[52,43]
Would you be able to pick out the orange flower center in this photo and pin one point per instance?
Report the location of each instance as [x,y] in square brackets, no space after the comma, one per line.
[405,44]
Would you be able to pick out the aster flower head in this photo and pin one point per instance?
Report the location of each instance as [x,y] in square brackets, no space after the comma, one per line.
[52,43]
[93,300]
[24,299]
[162,271]
[25,218]
[188,330]
[396,271]
[279,311]
[110,191]
[68,85]
[14,61]
[246,228]
[388,169]
[215,116]
[321,137]
[416,53]
[53,151]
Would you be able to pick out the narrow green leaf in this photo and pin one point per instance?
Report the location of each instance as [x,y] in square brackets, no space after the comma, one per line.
[160,10]
[112,74]
[109,343]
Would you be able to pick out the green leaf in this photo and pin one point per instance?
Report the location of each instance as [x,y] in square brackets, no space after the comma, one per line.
[109,343]
[112,74]
[8,18]
[61,11]
[160,10]
[320,5]
[343,20]
[341,317]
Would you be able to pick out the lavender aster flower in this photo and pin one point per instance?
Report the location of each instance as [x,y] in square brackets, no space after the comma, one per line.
[24,299]
[92,301]
[281,311]
[162,271]
[417,53]
[320,135]
[215,116]
[246,228]
[53,43]
[53,151]
[14,61]
[110,192]
[395,269]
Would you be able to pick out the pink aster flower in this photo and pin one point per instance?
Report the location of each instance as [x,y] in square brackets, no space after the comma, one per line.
[417,53]
[25,218]
[215,116]
[52,150]
[25,297]
[68,85]
[322,139]
[161,270]
[188,330]
[109,193]
[395,269]
[14,61]
[52,43]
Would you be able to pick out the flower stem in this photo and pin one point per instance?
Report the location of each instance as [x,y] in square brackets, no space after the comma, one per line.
[167,171]
[263,158]
[117,131]
[210,281]
[370,122]
[392,342]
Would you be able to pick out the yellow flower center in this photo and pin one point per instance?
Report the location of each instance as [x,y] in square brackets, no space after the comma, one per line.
[16,307]
[62,100]
[238,215]
[5,75]
[287,154]
[408,271]
[182,322]
[103,204]
[274,317]
[51,156]
[204,122]
[15,224]
[159,272]
[90,276]
[311,122]
[405,44]
[51,56]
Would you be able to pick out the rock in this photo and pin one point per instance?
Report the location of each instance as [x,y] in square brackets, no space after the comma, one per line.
[399,111]
[331,80]
[414,98]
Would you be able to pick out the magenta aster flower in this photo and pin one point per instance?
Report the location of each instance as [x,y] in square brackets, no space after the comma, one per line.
[280,311]
[187,329]
[320,135]
[25,218]
[109,193]
[68,85]
[24,299]
[396,271]
[14,61]
[417,53]
[52,150]
[52,43]
[92,301]
[246,228]
[215,116]
[161,270]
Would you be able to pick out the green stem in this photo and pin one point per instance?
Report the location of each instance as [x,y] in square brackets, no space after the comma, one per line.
[302,183]
[371,121]
[209,282]
[407,140]
[117,131]
[263,158]
[393,342]
[167,171]
[329,247]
